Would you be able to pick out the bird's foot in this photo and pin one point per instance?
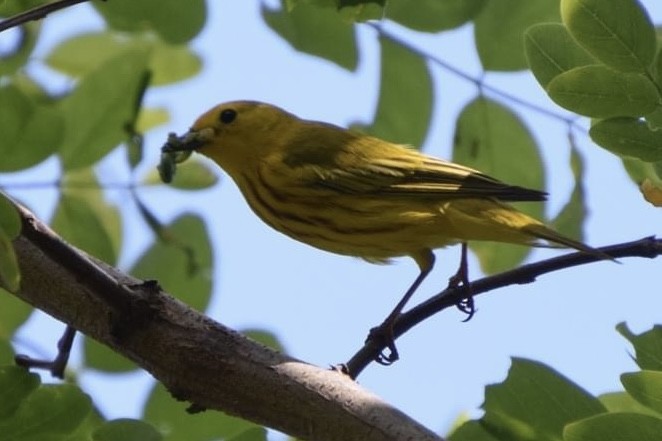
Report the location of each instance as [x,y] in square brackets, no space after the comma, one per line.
[383,336]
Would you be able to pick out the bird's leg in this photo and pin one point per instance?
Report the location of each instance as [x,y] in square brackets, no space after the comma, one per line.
[384,332]
[59,363]
[461,279]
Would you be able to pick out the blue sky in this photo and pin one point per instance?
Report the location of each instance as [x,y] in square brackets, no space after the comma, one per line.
[321,305]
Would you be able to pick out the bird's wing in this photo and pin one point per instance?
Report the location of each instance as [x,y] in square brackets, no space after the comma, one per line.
[364,165]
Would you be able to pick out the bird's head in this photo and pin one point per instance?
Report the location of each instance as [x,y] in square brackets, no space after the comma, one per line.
[236,135]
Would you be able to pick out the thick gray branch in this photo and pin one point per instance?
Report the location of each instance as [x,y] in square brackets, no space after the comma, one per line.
[196,358]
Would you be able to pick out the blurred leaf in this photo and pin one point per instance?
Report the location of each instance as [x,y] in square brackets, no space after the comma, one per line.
[82,54]
[628,137]
[10,221]
[645,387]
[125,429]
[15,59]
[615,426]
[652,192]
[30,132]
[500,26]
[433,15]
[491,138]
[617,32]
[16,385]
[150,118]
[85,219]
[550,51]
[252,434]
[654,119]
[193,174]
[570,219]
[471,431]
[100,107]
[6,351]
[175,21]
[404,110]
[535,402]
[359,10]
[46,413]
[267,338]
[600,92]
[171,265]
[10,274]
[647,345]
[316,31]
[623,402]
[102,358]
[169,416]
[13,314]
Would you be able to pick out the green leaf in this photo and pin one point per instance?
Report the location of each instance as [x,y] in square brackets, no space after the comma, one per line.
[16,384]
[647,345]
[176,22]
[10,220]
[433,15]
[99,109]
[267,338]
[600,92]
[102,358]
[193,174]
[404,110]
[85,219]
[615,426]
[359,10]
[82,54]
[10,273]
[170,417]
[183,272]
[623,402]
[125,429]
[617,32]
[14,59]
[645,387]
[252,434]
[316,31]
[6,350]
[30,132]
[150,118]
[47,413]
[628,137]
[535,402]
[570,219]
[471,431]
[491,138]
[13,314]
[500,26]
[550,51]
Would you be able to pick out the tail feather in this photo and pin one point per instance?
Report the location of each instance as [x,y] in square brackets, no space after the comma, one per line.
[546,233]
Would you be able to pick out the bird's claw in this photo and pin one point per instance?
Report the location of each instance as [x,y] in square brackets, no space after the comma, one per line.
[383,336]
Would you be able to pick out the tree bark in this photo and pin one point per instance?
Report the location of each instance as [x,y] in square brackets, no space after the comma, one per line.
[196,358]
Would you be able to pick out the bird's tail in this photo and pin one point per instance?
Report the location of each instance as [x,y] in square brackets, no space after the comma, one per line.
[546,233]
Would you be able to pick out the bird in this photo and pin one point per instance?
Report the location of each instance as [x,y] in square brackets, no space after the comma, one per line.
[354,194]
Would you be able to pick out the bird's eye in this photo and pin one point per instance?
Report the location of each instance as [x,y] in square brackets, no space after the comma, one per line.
[227,116]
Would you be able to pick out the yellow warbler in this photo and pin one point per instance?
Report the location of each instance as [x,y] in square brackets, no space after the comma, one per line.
[357,195]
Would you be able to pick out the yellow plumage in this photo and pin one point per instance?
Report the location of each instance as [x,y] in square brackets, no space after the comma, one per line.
[358,195]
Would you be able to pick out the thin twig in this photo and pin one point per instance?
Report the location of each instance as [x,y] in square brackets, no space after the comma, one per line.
[478,81]
[36,13]
[648,247]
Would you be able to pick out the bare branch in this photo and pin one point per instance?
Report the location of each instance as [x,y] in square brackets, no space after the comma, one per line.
[196,358]
[648,247]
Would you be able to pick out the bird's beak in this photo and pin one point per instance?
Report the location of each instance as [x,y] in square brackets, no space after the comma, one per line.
[190,141]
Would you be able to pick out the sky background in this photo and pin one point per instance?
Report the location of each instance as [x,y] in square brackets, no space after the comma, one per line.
[321,305]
